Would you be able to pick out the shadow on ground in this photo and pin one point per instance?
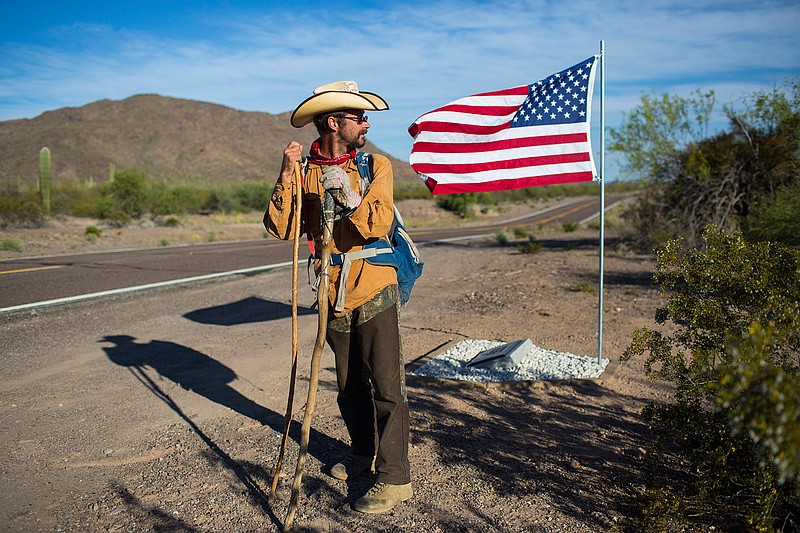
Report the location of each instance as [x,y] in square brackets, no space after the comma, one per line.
[197,372]
[581,455]
[247,311]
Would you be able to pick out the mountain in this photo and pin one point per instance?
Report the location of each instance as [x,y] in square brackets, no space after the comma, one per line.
[168,138]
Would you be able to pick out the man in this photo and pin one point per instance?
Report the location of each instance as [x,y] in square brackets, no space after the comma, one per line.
[363,333]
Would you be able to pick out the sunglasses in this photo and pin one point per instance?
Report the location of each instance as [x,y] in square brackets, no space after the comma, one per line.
[358,120]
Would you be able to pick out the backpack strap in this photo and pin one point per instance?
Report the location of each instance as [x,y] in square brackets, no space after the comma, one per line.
[364,164]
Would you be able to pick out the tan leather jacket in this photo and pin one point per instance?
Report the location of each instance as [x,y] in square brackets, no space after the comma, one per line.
[373,218]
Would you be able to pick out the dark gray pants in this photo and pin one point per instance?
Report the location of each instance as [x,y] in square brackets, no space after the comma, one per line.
[372,394]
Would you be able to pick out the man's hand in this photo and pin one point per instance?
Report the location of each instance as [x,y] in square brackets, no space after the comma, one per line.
[292,154]
[337,184]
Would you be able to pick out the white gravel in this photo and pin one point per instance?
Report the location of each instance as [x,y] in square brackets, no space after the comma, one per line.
[538,364]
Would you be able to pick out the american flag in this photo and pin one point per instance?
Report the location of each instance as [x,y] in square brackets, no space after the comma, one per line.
[530,135]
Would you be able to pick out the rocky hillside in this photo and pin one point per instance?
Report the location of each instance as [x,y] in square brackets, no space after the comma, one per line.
[168,138]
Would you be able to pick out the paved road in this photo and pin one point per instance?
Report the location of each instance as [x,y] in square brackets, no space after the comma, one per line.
[28,281]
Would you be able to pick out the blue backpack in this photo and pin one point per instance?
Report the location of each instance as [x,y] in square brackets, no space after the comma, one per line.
[405,256]
[396,250]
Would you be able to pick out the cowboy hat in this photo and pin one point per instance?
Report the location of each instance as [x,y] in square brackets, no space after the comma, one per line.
[336,96]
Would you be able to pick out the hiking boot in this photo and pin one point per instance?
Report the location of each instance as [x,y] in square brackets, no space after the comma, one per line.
[382,498]
[352,466]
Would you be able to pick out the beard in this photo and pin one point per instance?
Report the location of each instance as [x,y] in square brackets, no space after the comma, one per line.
[355,141]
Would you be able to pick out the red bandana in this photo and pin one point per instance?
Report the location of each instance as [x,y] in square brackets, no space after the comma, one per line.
[317,159]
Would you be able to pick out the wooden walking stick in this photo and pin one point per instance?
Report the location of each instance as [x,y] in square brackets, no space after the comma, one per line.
[297,183]
[322,300]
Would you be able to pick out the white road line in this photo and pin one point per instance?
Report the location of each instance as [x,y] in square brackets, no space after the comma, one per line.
[115,292]
[253,270]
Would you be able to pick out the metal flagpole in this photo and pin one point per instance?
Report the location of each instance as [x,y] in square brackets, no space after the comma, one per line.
[602,197]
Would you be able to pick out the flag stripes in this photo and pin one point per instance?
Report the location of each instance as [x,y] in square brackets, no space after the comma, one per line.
[518,137]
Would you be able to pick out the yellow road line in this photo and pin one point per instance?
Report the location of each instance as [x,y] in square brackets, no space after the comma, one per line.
[561,215]
[34,269]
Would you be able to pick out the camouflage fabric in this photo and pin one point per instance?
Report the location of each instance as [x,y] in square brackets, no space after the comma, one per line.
[386,298]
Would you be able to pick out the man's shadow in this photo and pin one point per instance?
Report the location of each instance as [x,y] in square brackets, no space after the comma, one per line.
[246,311]
[195,371]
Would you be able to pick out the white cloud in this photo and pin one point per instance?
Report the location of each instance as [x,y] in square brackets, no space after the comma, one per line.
[417,56]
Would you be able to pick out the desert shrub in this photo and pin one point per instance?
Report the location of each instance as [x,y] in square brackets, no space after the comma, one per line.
[410,190]
[124,198]
[778,220]
[220,200]
[582,286]
[161,202]
[11,245]
[176,199]
[20,210]
[502,237]
[457,203]
[696,179]
[79,200]
[530,247]
[732,355]
[107,209]
[252,195]
[521,232]
[460,203]
[93,232]
[569,227]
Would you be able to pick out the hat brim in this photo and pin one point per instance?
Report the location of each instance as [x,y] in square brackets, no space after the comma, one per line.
[328,101]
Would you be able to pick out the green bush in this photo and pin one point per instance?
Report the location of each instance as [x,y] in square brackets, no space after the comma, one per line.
[779,219]
[530,247]
[20,210]
[11,245]
[160,200]
[569,227]
[221,200]
[410,190]
[456,203]
[92,233]
[78,200]
[186,199]
[502,237]
[107,209]
[763,399]
[734,421]
[252,195]
[125,197]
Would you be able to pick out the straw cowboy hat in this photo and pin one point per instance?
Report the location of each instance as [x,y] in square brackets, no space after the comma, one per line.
[336,96]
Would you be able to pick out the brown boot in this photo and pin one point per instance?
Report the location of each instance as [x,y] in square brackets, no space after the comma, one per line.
[352,466]
[382,497]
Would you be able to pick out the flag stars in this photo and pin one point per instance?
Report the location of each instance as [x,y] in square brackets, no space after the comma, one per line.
[560,98]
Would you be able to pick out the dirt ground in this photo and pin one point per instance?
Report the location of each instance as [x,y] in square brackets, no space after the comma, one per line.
[163,411]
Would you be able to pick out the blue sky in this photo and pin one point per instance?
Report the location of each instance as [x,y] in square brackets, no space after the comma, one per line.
[269,55]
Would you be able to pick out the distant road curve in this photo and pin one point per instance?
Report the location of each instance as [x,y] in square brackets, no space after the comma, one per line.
[27,284]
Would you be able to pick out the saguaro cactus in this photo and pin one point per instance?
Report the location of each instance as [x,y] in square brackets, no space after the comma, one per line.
[44,178]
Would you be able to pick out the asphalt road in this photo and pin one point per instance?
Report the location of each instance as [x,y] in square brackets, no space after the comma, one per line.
[26,283]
